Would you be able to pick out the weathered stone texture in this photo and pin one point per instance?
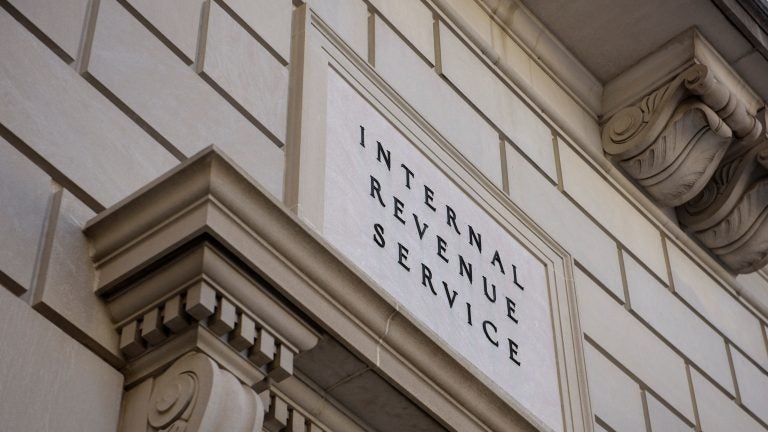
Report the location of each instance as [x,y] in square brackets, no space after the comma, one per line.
[492,96]
[65,120]
[66,295]
[144,74]
[615,397]
[415,80]
[633,345]
[246,71]
[677,323]
[62,21]
[25,193]
[50,381]
[550,209]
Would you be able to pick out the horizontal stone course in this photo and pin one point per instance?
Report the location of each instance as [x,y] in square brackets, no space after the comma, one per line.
[66,296]
[246,71]
[493,98]
[717,412]
[61,20]
[70,124]
[615,397]
[665,313]
[50,381]
[433,98]
[128,60]
[566,223]
[611,210]
[634,346]
[714,303]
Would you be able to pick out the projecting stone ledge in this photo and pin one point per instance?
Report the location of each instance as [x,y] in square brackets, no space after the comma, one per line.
[697,142]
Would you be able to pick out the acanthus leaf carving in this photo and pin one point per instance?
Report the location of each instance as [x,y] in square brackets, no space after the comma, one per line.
[692,144]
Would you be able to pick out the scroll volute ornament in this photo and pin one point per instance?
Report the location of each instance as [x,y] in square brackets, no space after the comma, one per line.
[194,395]
[672,141]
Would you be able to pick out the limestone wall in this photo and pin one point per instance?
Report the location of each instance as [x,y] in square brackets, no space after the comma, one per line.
[99,97]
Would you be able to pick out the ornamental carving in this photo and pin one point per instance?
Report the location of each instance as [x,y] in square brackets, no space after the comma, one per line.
[692,145]
[194,395]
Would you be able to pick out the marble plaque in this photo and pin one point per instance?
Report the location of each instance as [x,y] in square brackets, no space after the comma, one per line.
[404,223]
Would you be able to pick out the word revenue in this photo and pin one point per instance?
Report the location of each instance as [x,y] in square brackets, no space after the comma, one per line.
[457,245]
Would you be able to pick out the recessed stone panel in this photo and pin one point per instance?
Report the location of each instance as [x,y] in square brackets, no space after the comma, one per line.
[447,264]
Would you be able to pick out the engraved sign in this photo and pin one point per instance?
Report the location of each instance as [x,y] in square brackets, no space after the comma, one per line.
[451,266]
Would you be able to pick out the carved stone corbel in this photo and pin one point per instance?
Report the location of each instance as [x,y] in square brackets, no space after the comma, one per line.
[672,141]
[201,329]
[193,395]
[693,145]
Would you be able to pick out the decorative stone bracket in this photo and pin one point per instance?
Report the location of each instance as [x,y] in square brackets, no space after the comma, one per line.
[691,144]
[204,335]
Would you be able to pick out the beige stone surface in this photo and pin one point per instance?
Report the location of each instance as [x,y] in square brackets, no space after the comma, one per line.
[465,70]
[246,71]
[65,120]
[421,87]
[717,412]
[611,210]
[632,344]
[25,193]
[753,385]
[133,64]
[414,20]
[551,210]
[615,397]
[50,382]
[662,419]
[657,306]
[62,20]
[717,306]
[66,295]
[757,286]
[349,19]
[177,20]
[474,14]
[270,19]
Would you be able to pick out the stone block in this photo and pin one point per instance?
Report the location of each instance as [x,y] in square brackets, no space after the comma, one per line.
[70,124]
[414,20]
[66,295]
[421,87]
[25,193]
[717,412]
[50,381]
[615,397]
[549,208]
[349,19]
[662,419]
[481,86]
[138,69]
[246,71]
[657,306]
[756,285]
[62,21]
[270,19]
[611,210]
[716,305]
[753,385]
[177,20]
[475,15]
[632,344]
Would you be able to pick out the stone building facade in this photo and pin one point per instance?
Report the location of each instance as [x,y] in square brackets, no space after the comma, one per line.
[379,215]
